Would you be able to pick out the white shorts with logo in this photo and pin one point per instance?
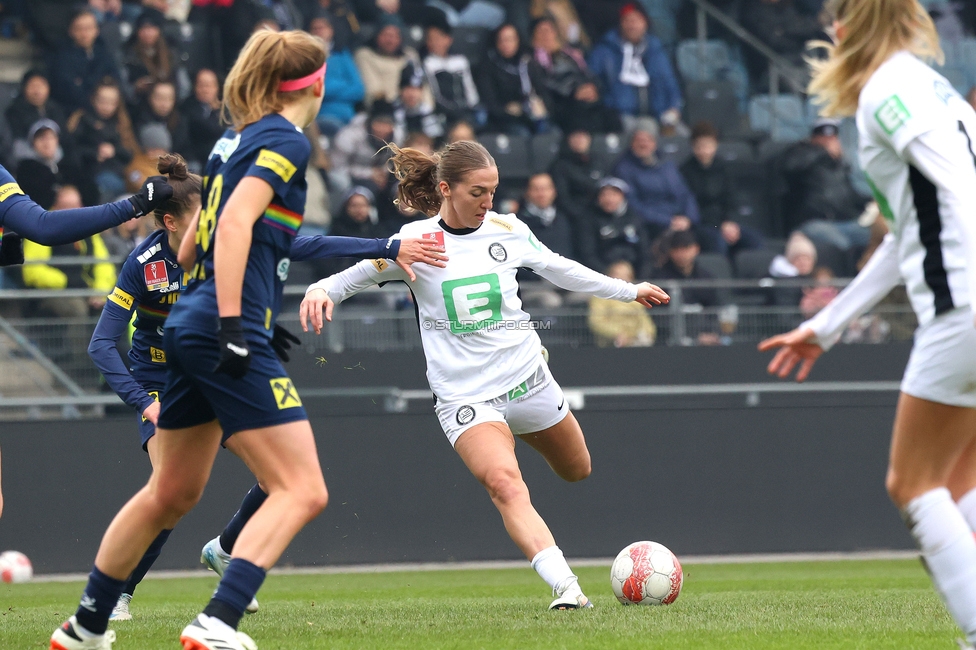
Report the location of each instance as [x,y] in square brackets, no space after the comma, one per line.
[942,367]
[535,404]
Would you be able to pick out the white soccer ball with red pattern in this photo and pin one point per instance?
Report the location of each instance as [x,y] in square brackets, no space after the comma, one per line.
[646,573]
[15,567]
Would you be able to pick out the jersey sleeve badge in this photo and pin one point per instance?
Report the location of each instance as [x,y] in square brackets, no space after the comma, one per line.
[892,115]
[277,163]
[8,190]
[437,237]
[155,275]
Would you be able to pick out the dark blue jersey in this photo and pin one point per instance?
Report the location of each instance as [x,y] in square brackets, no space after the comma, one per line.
[18,213]
[276,151]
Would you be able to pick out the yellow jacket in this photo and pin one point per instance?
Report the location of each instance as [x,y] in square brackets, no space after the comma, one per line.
[100,275]
[628,321]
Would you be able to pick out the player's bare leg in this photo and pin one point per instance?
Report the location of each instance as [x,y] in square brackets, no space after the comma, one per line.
[962,481]
[564,448]
[488,450]
[928,441]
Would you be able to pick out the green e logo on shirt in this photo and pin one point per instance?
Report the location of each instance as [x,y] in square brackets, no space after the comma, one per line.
[473,303]
[892,115]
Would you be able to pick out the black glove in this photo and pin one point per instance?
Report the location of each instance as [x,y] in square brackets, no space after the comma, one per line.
[11,249]
[282,340]
[155,191]
[235,356]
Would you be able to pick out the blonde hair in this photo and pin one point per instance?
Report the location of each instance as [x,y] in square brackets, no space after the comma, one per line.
[268,58]
[876,29]
[420,174]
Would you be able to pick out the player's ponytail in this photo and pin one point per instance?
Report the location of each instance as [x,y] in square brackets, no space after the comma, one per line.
[253,86]
[186,188]
[420,174]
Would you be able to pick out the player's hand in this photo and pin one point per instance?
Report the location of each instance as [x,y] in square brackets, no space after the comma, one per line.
[316,301]
[11,249]
[282,341]
[796,347]
[650,294]
[152,412]
[155,191]
[420,250]
[235,356]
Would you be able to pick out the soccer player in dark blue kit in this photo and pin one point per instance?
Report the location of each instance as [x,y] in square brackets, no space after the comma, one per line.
[150,283]
[223,377]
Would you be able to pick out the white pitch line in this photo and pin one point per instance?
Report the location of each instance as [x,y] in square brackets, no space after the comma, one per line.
[402,567]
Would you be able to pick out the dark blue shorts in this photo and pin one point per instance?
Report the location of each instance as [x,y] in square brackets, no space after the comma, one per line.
[146,428]
[195,394]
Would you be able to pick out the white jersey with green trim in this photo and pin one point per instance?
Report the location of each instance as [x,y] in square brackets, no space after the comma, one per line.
[916,148]
[478,340]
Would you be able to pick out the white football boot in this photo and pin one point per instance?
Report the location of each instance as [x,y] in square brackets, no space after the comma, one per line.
[216,560]
[67,637]
[121,611]
[570,596]
[207,633]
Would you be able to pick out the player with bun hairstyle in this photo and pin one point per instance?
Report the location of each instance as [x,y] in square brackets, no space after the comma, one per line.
[916,148]
[484,362]
[228,382]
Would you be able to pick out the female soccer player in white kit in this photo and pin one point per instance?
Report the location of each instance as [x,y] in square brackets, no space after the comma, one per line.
[916,147]
[484,361]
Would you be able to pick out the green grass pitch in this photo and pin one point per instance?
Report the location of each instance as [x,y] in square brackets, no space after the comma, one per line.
[845,604]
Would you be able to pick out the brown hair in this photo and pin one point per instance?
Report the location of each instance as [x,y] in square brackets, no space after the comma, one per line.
[185,186]
[876,29]
[703,129]
[268,58]
[420,174]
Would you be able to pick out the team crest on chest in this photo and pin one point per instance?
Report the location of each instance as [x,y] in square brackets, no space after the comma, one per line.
[498,252]
[156,275]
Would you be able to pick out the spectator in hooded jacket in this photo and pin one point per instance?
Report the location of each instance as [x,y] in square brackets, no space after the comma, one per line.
[33,103]
[343,85]
[658,192]
[575,176]
[201,110]
[544,218]
[611,231]
[46,169]
[382,61]
[634,72]
[449,76]
[414,110]
[512,87]
[357,217]
[78,67]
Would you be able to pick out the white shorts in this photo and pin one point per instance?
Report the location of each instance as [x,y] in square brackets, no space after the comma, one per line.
[942,367]
[535,404]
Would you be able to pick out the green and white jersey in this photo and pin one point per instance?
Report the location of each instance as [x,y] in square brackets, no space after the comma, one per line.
[478,340]
[916,148]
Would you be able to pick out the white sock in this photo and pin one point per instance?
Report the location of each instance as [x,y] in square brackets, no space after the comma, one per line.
[967,506]
[216,623]
[83,632]
[550,564]
[220,550]
[949,551]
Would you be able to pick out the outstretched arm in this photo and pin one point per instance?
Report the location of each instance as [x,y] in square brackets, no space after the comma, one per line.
[403,251]
[323,295]
[567,274]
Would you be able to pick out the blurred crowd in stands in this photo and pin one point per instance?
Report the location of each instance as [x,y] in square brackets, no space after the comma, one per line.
[622,140]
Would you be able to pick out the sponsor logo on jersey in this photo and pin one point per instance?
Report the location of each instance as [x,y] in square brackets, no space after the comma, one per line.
[518,391]
[465,414]
[149,252]
[503,224]
[283,265]
[157,355]
[8,190]
[276,163]
[473,303]
[285,394]
[121,298]
[174,286]
[498,252]
[155,275]
[892,115]
[381,265]
[225,147]
[434,236]
[944,91]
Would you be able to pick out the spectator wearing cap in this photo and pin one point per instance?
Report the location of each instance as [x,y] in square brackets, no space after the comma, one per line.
[159,107]
[201,110]
[543,216]
[156,140]
[148,59]
[572,87]
[45,168]
[414,110]
[798,261]
[681,263]
[634,72]
[449,76]
[381,62]
[343,85]
[820,198]
[80,65]
[354,150]
[31,104]
[611,231]
[357,217]
[658,192]
[709,180]
[575,175]
[512,87]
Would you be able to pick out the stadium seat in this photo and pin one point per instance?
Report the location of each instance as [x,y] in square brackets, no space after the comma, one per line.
[705,61]
[677,149]
[769,149]
[510,152]
[545,148]
[732,151]
[754,264]
[715,102]
[792,122]
[606,150]
[471,42]
[716,264]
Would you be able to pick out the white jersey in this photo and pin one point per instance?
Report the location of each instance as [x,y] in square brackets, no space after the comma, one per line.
[916,148]
[478,340]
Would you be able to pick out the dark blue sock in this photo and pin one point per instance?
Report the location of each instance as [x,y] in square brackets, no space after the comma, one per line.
[98,601]
[255,497]
[146,562]
[240,583]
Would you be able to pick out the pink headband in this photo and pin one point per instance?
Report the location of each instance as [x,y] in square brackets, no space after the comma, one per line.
[304,82]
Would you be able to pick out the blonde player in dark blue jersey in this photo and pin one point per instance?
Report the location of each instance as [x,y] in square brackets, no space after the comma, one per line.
[224,378]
